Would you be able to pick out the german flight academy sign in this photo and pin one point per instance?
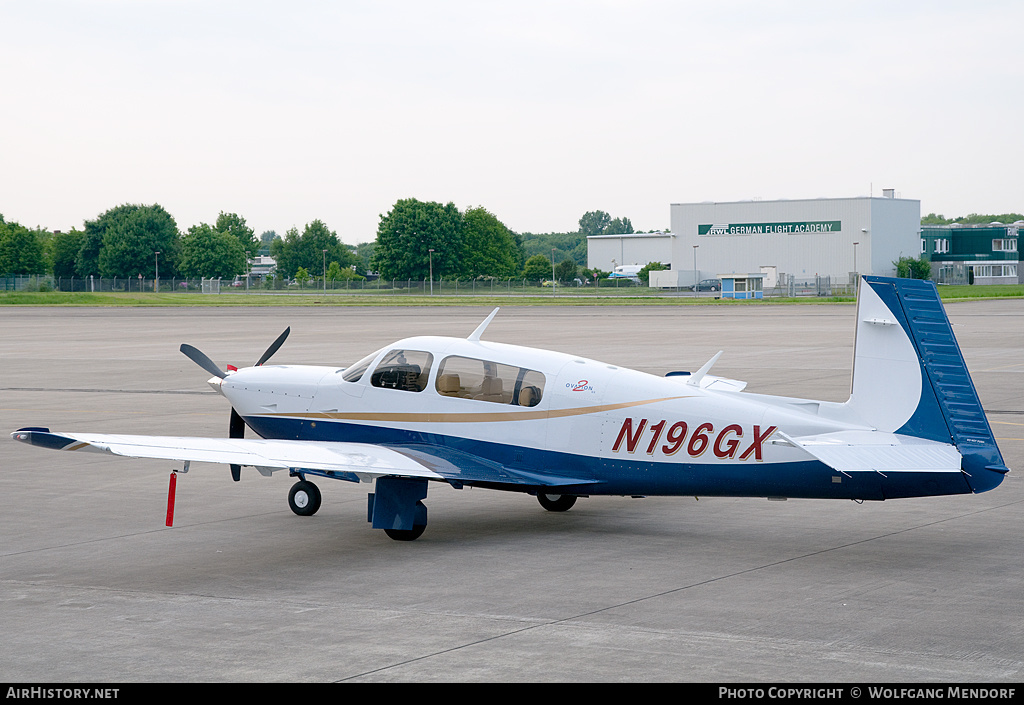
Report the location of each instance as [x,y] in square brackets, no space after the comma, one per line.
[819,226]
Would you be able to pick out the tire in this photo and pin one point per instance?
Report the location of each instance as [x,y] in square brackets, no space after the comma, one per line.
[304,498]
[556,502]
[406,534]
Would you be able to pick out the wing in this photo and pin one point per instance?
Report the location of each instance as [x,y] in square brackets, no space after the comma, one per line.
[343,460]
[362,459]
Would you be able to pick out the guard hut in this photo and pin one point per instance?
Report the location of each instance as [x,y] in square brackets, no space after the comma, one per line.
[742,286]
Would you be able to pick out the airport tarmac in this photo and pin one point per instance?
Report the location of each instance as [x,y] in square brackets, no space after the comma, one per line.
[94,587]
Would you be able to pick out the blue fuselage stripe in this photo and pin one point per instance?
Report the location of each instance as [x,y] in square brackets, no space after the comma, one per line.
[614,476]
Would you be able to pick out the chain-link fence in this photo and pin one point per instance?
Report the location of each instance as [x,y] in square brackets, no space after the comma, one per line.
[485,286]
[788,286]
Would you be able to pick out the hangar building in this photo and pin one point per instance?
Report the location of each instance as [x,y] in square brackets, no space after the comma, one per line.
[802,239]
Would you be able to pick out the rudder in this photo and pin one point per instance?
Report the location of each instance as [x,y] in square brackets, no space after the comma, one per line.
[948,408]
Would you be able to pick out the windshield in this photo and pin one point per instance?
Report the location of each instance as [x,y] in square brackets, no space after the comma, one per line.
[355,372]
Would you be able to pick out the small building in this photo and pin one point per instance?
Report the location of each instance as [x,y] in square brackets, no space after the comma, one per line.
[261,266]
[742,286]
[973,254]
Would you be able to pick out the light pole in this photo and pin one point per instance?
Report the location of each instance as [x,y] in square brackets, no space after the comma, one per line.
[325,271]
[430,255]
[156,277]
[247,268]
[855,257]
[695,270]
[554,285]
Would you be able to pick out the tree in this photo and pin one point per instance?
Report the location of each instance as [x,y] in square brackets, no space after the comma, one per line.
[409,231]
[123,242]
[336,272]
[619,226]
[64,248]
[594,223]
[234,225]
[537,267]
[489,248]
[644,274]
[307,250]
[267,237]
[88,260]
[565,272]
[912,268]
[564,245]
[972,219]
[21,250]
[364,253]
[207,252]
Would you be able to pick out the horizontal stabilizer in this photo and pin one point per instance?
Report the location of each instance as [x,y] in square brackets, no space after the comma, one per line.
[718,384]
[860,451]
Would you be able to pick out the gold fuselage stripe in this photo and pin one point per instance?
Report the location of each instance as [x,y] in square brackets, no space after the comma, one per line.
[462,417]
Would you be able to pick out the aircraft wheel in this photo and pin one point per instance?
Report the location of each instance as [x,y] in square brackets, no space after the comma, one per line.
[556,502]
[406,534]
[304,498]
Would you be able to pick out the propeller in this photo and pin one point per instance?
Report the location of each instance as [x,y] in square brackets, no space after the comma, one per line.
[275,346]
[236,427]
[200,358]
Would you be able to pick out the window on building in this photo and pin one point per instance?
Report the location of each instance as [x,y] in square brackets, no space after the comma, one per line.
[994,270]
[1004,245]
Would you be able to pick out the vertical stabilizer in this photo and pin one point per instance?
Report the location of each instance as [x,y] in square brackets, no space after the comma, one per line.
[909,376]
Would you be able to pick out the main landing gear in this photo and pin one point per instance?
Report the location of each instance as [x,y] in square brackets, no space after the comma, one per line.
[304,498]
[395,506]
[556,502]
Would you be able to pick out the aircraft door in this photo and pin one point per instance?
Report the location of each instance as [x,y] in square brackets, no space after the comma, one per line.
[579,386]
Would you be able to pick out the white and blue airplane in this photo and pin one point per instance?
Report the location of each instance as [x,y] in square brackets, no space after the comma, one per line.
[473,413]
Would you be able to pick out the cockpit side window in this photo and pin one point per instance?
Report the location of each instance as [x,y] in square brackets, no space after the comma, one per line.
[406,370]
[482,380]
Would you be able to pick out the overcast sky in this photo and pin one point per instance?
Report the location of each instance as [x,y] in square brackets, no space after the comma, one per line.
[285,112]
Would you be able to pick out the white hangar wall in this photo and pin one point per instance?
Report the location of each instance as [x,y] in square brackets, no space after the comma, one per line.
[606,252]
[802,238]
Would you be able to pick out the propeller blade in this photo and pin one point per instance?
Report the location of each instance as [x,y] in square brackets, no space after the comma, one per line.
[199,357]
[274,346]
[236,430]
[238,427]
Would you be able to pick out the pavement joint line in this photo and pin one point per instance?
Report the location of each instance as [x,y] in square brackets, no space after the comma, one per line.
[663,593]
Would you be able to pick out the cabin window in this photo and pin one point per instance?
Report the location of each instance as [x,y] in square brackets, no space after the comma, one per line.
[482,380]
[406,370]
